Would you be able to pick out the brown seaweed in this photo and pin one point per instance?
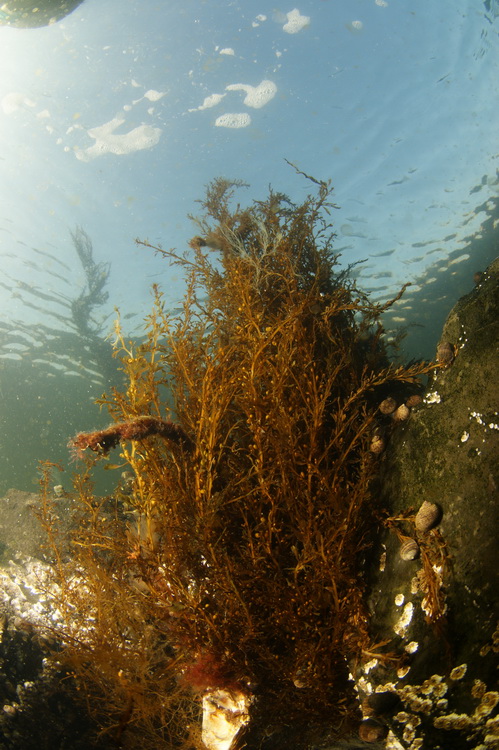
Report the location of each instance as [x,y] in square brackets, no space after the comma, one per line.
[236,557]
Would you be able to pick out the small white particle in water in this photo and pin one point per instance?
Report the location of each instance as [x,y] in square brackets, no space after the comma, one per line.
[399,600]
[493,426]
[382,561]
[465,436]
[461,258]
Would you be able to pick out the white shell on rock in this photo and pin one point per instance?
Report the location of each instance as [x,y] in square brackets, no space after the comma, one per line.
[377,444]
[401,414]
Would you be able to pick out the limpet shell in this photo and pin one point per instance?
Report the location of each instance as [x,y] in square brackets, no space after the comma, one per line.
[371,731]
[377,444]
[409,549]
[388,405]
[428,516]
[414,400]
[401,414]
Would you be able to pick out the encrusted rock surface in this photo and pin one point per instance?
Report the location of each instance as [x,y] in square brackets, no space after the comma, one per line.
[447,454]
[39,705]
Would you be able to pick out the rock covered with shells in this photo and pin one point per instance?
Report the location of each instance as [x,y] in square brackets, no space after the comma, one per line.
[391,411]
[440,480]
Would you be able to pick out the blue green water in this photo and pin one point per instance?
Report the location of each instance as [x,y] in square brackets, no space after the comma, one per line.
[115,117]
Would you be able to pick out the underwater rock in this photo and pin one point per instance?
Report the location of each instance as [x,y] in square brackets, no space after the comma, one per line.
[29,14]
[439,612]
[20,531]
[31,685]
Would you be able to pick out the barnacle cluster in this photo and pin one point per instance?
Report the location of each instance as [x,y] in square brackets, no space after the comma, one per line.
[234,563]
[429,704]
